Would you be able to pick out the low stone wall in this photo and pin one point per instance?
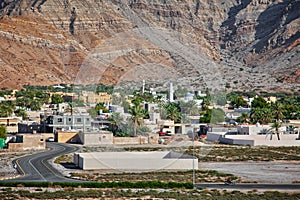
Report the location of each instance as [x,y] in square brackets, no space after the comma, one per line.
[130,140]
[15,146]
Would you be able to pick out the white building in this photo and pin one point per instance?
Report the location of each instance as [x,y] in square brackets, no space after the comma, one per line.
[96,138]
[144,161]
[252,129]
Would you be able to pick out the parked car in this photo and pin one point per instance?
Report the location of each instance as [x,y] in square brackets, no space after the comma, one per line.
[164,133]
[50,139]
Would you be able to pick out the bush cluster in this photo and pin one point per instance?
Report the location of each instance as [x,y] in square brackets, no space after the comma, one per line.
[124,184]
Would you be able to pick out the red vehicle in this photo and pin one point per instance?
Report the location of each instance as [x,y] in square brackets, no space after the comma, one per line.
[164,133]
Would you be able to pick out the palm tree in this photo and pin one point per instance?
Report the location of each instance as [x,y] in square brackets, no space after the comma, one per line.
[70,107]
[278,111]
[189,108]
[267,115]
[138,113]
[244,118]
[115,121]
[35,104]
[276,125]
[172,111]
[5,110]
[238,101]
[21,113]
[256,115]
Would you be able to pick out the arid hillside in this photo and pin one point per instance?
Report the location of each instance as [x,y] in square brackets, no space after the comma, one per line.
[200,43]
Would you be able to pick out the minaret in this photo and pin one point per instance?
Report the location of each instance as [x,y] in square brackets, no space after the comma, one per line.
[143,91]
[171,93]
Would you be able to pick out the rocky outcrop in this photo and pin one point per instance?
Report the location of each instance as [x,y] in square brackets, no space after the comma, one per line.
[201,39]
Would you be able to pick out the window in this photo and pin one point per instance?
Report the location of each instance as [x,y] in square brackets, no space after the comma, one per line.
[70,119]
[59,120]
[87,119]
[78,120]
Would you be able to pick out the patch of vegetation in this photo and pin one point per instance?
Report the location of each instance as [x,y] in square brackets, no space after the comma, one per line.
[7,193]
[228,153]
[63,158]
[124,184]
[163,176]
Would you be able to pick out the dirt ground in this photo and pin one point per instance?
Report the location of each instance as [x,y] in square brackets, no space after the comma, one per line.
[260,172]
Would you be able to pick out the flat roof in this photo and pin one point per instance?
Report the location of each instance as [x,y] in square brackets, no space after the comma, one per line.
[136,155]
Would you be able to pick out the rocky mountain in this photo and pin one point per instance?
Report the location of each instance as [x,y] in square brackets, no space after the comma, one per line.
[237,44]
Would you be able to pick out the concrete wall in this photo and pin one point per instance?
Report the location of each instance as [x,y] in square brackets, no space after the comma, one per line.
[34,141]
[236,141]
[130,140]
[214,136]
[30,141]
[262,140]
[252,129]
[134,161]
[15,146]
[66,136]
[107,138]
[96,138]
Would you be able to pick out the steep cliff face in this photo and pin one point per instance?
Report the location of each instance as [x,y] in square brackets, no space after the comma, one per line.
[192,41]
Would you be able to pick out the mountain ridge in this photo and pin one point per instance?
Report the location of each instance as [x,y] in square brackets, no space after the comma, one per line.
[232,44]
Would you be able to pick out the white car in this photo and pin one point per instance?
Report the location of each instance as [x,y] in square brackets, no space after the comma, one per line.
[50,139]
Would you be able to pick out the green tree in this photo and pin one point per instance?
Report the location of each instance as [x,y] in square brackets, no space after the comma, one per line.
[215,115]
[238,102]
[276,125]
[43,97]
[35,105]
[23,102]
[115,122]
[93,112]
[189,108]
[259,102]
[101,106]
[5,110]
[21,113]
[70,108]
[138,113]
[3,132]
[244,118]
[172,111]
[206,116]
[206,102]
[277,111]
[56,99]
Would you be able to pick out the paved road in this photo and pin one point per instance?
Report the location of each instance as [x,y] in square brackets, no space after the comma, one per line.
[35,168]
[250,186]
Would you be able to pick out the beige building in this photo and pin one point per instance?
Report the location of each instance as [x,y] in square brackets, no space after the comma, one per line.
[270,99]
[28,142]
[67,137]
[11,124]
[96,138]
[91,97]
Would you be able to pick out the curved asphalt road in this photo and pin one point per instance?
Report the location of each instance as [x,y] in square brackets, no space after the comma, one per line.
[35,168]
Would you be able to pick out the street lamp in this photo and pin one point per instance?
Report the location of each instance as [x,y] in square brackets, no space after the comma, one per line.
[193,178]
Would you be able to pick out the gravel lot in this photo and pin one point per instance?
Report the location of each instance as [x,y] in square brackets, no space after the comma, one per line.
[260,172]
